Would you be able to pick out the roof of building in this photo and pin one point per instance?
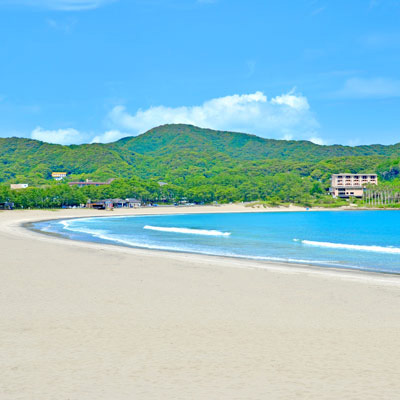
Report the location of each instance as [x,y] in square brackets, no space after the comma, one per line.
[348,174]
[100,201]
[89,182]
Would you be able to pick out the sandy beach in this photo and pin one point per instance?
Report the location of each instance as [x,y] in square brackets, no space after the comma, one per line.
[93,321]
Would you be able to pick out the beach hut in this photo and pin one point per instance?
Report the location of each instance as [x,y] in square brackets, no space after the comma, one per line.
[106,204]
[133,203]
[119,203]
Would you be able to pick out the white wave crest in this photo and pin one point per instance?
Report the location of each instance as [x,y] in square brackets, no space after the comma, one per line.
[187,231]
[133,242]
[375,249]
[67,225]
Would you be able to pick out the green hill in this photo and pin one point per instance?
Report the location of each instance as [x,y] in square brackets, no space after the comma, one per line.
[170,138]
[200,164]
[161,151]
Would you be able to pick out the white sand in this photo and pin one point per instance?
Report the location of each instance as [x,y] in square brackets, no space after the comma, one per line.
[88,321]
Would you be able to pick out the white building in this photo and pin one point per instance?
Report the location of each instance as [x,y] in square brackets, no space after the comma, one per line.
[59,176]
[15,186]
[351,185]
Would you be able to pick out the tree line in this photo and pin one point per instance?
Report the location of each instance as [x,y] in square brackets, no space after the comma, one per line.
[198,165]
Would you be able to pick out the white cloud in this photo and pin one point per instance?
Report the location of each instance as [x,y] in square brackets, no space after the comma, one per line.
[73,136]
[287,115]
[62,5]
[291,100]
[109,136]
[317,140]
[60,136]
[287,136]
[374,88]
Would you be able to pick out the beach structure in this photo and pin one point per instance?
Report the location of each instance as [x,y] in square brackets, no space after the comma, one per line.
[114,203]
[133,203]
[106,204]
[16,186]
[351,185]
[88,182]
[58,176]
[119,203]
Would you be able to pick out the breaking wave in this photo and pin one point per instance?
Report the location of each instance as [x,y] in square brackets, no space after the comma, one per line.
[375,249]
[187,231]
[104,235]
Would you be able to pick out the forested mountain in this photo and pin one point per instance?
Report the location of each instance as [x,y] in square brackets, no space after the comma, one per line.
[160,151]
[168,139]
[200,164]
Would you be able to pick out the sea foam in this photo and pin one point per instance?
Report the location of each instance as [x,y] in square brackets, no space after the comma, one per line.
[104,235]
[375,249]
[187,231]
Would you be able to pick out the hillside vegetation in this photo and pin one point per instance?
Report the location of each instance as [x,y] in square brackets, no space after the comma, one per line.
[201,165]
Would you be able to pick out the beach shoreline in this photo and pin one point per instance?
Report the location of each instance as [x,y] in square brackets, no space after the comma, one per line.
[155,324]
[249,262]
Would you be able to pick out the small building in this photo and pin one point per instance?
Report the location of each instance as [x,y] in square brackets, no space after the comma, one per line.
[133,203]
[345,186]
[101,204]
[162,183]
[58,176]
[113,203]
[16,186]
[90,183]
[119,203]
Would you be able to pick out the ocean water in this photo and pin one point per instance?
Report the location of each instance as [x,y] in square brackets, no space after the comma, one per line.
[365,240]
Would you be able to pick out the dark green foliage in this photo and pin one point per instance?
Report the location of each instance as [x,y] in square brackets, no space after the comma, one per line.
[199,165]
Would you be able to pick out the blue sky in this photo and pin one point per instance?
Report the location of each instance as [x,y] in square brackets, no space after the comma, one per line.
[78,71]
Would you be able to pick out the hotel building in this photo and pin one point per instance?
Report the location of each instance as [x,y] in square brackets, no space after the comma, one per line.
[90,183]
[351,185]
[59,176]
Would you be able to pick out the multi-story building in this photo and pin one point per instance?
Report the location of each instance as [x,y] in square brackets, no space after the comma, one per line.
[59,176]
[351,185]
[90,183]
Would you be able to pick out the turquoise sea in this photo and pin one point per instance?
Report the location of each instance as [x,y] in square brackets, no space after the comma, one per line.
[365,240]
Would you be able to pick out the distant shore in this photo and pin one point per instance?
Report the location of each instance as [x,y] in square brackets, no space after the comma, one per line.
[208,208]
[150,324]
